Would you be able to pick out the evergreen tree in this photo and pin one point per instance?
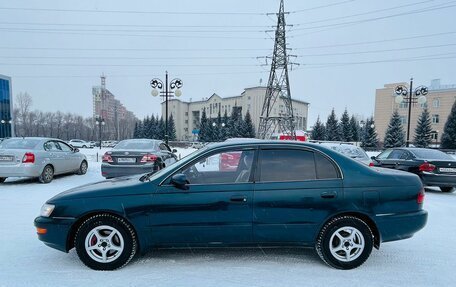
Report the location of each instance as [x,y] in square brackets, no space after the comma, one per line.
[172,128]
[345,127]
[449,131]
[235,123]
[151,128]
[369,137]
[394,136]
[146,127]
[140,129]
[423,130]
[332,128]
[204,127]
[212,130]
[135,131]
[319,132]
[223,134]
[248,130]
[355,129]
[160,130]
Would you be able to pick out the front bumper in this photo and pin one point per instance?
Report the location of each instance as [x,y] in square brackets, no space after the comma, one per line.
[443,180]
[110,171]
[400,226]
[57,230]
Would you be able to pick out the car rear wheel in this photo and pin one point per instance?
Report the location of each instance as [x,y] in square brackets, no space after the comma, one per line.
[105,242]
[345,242]
[47,175]
[446,189]
[84,146]
[2,179]
[83,168]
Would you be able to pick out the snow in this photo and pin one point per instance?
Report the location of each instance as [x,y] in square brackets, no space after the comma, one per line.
[427,259]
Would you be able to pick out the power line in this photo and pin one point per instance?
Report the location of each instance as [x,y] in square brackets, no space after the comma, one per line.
[129,30]
[322,6]
[127,65]
[132,49]
[127,58]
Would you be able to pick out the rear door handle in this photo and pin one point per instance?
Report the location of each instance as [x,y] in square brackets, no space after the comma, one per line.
[238,198]
[329,194]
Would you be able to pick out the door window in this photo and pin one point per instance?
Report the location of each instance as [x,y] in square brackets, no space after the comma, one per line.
[287,165]
[397,154]
[164,147]
[325,168]
[224,167]
[385,154]
[63,147]
[50,146]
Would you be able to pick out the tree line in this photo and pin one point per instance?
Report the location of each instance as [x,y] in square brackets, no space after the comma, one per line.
[153,127]
[65,126]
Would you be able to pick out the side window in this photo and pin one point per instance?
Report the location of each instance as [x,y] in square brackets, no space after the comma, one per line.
[224,167]
[63,146]
[287,165]
[325,168]
[49,146]
[396,154]
[385,154]
[163,147]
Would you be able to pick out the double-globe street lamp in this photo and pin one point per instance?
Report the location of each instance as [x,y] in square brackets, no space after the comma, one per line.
[410,96]
[99,121]
[171,89]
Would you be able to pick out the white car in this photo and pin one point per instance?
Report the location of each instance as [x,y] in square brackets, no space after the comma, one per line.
[80,144]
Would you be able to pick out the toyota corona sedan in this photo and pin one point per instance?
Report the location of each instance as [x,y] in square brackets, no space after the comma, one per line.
[280,194]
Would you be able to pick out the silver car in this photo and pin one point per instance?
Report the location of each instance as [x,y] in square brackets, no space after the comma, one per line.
[40,158]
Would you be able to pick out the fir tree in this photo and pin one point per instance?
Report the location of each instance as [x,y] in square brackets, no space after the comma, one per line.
[140,129]
[223,135]
[212,131]
[355,129]
[332,128]
[248,130]
[204,127]
[161,131]
[345,127]
[235,123]
[394,136]
[146,126]
[318,132]
[369,137]
[172,128]
[449,131]
[135,131]
[423,130]
[151,129]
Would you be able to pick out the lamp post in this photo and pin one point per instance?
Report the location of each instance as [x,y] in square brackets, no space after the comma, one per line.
[171,89]
[6,122]
[99,121]
[410,96]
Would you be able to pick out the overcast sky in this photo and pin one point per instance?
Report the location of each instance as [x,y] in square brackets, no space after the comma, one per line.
[56,50]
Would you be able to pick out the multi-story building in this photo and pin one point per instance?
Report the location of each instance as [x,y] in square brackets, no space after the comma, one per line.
[115,115]
[187,115]
[440,99]
[6,108]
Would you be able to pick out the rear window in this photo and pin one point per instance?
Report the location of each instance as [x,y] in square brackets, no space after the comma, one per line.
[19,143]
[430,154]
[140,145]
[350,151]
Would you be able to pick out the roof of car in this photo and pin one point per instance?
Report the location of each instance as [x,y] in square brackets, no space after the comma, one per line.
[263,142]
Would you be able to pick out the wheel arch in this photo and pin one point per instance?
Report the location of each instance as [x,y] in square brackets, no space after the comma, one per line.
[74,228]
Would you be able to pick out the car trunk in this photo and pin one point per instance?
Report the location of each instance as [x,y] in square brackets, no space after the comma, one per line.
[131,157]
[444,166]
[10,157]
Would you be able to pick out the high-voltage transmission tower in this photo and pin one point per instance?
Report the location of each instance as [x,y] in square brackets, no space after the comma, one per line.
[278,89]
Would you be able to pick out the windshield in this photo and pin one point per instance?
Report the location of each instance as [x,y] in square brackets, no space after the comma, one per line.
[19,143]
[430,154]
[350,151]
[136,144]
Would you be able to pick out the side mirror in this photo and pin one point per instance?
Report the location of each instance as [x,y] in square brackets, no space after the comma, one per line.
[75,150]
[180,181]
[174,150]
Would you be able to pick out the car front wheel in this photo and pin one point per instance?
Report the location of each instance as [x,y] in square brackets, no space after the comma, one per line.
[83,168]
[105,242]
[2,179]
[345,242]
[447,189]
[47,174]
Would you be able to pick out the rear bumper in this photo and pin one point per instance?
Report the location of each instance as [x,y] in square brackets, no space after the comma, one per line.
[57,231]
[400,226]
[21,170]
[444,180]
[109,171]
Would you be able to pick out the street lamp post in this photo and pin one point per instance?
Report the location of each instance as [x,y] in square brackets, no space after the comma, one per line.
[6,122]
[173,89]
[410,96]
[99,121]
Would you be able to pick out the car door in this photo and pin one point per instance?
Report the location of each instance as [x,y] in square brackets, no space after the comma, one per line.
[167,155]
[70,158]
[296,189]
[216,209]
[54,154]
[395,159]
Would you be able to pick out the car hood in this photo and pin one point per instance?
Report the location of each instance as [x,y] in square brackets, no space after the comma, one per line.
[127,185]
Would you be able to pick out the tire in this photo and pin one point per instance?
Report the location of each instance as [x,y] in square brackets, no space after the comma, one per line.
[47,175]
[84,146]
[2,179]
[446,189]
[355,232]
[83,168]
[99,252]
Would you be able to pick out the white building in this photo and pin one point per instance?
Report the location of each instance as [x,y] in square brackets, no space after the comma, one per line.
[187,114]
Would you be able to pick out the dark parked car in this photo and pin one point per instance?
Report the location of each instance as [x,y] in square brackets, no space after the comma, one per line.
[136,156]
[435,168]
[279,194]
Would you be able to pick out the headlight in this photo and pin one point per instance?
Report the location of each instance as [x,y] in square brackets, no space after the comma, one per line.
[47,209]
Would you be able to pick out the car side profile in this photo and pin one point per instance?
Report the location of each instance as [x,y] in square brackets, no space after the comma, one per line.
[41,158]
[279,194]
[80,143]
[435,168]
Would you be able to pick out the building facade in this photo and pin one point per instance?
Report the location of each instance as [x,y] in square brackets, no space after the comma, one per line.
[440,99]
[187,115]
[6,108]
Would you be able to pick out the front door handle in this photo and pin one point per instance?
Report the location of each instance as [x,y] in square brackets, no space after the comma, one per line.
[328,194]
[238,198]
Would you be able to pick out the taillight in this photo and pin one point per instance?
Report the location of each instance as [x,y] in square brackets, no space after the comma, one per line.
[371,164]
[420,197]
[28,158]
[149,158]
[427,167]
[107,158]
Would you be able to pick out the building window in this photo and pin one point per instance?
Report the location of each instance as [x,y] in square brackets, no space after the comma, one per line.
[436,103]
[424,105]
[186,121]
[186,114]
[435,119]
[403,120]
[434,135]
[403,105]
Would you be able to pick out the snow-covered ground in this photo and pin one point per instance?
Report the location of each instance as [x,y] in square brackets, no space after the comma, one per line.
[427,259]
